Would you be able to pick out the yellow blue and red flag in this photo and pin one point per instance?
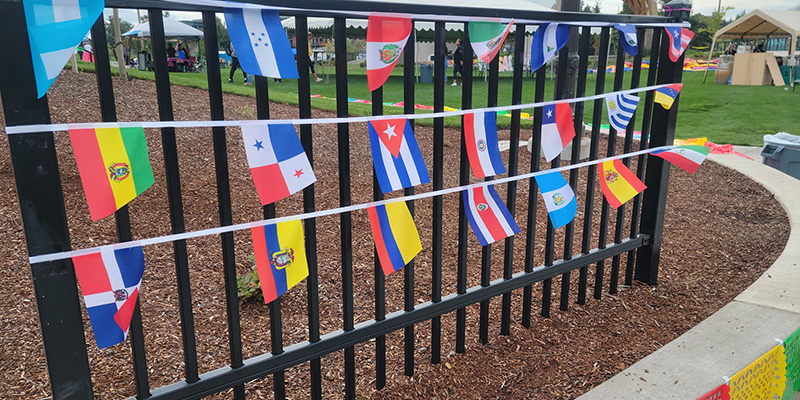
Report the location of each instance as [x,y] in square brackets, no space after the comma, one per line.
[666,95]
[619,184]
[280,255]
[396,237]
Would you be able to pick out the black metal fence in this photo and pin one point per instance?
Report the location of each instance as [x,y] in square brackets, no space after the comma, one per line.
[637,234]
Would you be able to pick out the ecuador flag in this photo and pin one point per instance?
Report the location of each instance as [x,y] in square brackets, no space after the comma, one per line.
[396,237]
[114,167]
[619,184]
[280,257]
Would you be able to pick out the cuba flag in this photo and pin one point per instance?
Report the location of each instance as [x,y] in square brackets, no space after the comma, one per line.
[55,29]
[395,155]
[547,40]
[628,39]
[558,198]
[280,254]
[621,108]
[260,42]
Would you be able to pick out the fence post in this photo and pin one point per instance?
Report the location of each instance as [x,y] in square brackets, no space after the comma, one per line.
[41,202]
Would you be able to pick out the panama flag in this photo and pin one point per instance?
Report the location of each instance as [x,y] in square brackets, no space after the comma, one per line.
[483,150]
[621,108]
[627,36]
[679,40]
[488,215]
[558,198]
[687,157]
[547,40]
[619,184]
[557,129]
[277,161]
[396,237]
[395,155]
[55,29]
[487,38]
[386,37]
[280,254]
[260,42]
[110,281]
[667,95]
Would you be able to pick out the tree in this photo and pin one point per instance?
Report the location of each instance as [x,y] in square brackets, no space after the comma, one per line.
[595,9]
[706,26]
[124,26]
[223,38]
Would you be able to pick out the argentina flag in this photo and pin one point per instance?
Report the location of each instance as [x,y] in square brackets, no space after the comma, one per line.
[621,108]
[55,29]
[260,42]
[628,39]
[558,198]
[547,40]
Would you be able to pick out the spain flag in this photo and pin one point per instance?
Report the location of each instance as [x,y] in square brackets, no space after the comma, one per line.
[619,184]
[280,255]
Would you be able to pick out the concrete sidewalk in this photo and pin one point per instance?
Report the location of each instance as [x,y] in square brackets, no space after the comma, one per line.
[737,334]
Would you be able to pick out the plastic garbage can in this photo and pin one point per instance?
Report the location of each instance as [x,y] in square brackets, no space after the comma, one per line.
[426,73]
[782,152]
[786,72]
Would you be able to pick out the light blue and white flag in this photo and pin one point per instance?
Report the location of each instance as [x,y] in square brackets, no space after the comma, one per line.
[260,42]
[547,40]
[558,198]
[628,38]
[621,108]
[55,29]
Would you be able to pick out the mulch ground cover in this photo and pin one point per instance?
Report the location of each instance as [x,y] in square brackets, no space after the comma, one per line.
[721,232]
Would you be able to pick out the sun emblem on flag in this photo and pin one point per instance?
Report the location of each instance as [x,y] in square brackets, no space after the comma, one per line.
[482,145]
[118,171]
[282,259]
[558,199]
[611,176]
[389,53]
[120,295]
[612,104]
[483,206]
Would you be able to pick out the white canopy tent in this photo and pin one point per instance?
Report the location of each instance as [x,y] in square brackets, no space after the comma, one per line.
[172,29]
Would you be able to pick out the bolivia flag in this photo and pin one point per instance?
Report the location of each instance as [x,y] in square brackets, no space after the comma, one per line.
[396,237]
[114,167]
[666,95]
[487,38]
[687,158]
[280,257]
[386,37]
[619,184]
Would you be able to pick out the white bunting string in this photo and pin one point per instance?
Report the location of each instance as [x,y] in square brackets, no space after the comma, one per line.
[231,228]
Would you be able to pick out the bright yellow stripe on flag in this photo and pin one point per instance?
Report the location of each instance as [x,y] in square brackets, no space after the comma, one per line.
[404,230]
[118,165]
[290,235]
[620,187]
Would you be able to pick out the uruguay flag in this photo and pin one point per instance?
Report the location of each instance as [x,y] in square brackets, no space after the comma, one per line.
[483,150]
[395,155]
[110,281]
[621,108]
[558,198]
[679,40]
[260,42]
[488,215]
[55,29]
[547,40]
[628,38]
[557,129]
[396,237]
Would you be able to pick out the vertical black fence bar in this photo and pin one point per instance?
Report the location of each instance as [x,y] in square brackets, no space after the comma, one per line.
[409,81]
[171,167]
[380,295]
[597,115]
[569,231]
[513,167]
[108,110]
[439,80]
[486,251]
[340,44]
[643,144]
[463,179]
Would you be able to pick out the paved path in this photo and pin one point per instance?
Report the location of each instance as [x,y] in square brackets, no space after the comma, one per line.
[737,334]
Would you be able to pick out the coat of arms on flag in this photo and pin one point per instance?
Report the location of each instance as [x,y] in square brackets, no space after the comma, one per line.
[628,38]
[687,157]
[280,255]
[260,42]
[483,149]
[618,183]
[386,37]
[558,198]
[487,38]
[395,155]
[488,215]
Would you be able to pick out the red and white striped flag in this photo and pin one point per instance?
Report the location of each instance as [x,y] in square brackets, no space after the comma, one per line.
[386,37]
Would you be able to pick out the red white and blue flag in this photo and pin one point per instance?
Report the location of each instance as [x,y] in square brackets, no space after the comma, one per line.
[679,40]
[483,150]
[386,38]
[277,161]
[395,155]
[488,215]
[110,281]
[557,129]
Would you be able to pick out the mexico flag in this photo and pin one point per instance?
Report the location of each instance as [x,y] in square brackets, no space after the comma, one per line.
[386,37]
[487,38]
[687,157]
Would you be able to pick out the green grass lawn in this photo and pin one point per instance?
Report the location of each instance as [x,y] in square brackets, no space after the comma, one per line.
[724,114]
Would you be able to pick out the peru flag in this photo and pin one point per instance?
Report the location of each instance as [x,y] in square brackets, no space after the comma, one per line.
[557,129]
[483,150]
[488,215]
[386,37]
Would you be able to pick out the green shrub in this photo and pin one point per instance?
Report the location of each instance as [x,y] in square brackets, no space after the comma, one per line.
[249,286]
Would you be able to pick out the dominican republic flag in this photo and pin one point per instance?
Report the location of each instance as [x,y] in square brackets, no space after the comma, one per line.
[260,42]
[55,29]
[110,281]
[621,108]
[487,38]
[627,36]
[396,237]
[386,37]
[558,198]
[488,215]
[557,129]
[395,155]
[547,40]
[687,157]
[679,40]
[483,150]
[277,161]
[666,95]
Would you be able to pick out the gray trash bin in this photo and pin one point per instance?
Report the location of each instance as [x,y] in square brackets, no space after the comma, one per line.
[782,151]
[426,73]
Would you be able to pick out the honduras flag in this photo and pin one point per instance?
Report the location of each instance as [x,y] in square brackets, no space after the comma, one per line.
[621,108]
[55,29]
[547,40]
[558,198]
[627,36]
[260,42]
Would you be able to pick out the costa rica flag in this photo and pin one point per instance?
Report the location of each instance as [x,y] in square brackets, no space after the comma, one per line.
[395,155]
[488,215]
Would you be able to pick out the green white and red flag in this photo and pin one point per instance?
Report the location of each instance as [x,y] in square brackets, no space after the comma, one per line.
[687,157]
[487,38]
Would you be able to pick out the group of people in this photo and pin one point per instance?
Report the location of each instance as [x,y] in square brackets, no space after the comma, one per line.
[248,80]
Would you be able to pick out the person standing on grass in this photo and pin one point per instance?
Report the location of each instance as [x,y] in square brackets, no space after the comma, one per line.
[234,62]
[310,61]
[458,61]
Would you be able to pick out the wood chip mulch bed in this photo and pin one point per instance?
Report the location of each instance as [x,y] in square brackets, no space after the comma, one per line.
[722,231]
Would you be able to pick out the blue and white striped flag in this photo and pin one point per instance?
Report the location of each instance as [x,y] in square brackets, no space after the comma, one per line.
[55,29]
[260,42]
[547,40]
[621,108]
[627,36]
[558,198]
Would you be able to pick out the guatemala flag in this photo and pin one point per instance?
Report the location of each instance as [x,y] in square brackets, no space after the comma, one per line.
[260,42]
[627,36]
[55,29]
[621,108]
[547,40]
[558,197]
